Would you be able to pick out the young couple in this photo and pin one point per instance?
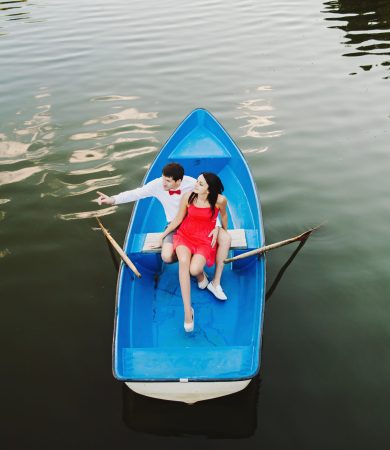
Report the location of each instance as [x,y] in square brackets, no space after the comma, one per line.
[192,235]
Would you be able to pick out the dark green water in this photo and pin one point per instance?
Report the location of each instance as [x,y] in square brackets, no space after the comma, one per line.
[89,92]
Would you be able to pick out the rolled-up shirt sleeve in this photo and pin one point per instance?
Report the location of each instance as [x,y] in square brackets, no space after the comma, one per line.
[148,190]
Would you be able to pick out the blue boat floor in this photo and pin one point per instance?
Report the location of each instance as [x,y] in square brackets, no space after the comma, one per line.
[215,320]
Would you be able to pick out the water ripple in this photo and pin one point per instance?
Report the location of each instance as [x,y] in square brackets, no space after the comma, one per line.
[127,114]
[12,152]
[365,23]
[87,214]
[80,156]
[119,156]
[8,177]
[95,169]
[125,129]
[63,189]
[7,9]
[34,138]
[113,98]
[4,253]
[36,129]
[257,124]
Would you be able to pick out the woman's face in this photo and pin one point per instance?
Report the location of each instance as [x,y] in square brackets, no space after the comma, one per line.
[201,187]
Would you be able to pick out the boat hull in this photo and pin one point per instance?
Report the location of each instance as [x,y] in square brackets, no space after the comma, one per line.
[188,392]
[152,353]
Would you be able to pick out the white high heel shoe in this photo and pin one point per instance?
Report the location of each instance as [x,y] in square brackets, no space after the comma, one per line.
[189,326]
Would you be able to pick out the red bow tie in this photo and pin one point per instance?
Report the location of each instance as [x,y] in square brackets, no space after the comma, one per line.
[171,192]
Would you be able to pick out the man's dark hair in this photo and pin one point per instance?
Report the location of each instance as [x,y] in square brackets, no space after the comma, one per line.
[174,170]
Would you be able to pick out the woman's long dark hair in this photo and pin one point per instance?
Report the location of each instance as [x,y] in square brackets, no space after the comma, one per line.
[215,188]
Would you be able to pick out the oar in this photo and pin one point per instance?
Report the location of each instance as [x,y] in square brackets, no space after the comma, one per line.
[118,248]
[267,248]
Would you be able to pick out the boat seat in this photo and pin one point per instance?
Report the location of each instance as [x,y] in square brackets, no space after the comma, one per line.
[238,241]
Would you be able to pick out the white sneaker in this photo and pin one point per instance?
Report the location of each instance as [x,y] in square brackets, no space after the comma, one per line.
[217,291]
[203,284]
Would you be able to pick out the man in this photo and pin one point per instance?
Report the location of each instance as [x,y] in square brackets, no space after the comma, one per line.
[169,189]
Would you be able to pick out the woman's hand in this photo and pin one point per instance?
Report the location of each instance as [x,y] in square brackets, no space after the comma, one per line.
[214,235]
[159,241]
[105,199]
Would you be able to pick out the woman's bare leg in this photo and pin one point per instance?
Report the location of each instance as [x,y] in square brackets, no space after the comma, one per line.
[184,257]
[197,266]
[168,255]
[224,241]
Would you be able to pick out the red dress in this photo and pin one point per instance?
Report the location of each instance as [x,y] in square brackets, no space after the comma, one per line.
[194,230]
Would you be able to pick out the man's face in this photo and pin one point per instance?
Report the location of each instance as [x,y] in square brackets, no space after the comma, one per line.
[170,183]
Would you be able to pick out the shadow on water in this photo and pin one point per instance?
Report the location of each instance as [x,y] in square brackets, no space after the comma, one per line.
[114,258]
[366,24]
[283,269]
[231,416]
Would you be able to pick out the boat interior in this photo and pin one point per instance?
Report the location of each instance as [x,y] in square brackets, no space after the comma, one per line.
[225,341]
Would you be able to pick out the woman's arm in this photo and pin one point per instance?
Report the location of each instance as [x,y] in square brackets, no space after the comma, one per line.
[222,203]
[178,219]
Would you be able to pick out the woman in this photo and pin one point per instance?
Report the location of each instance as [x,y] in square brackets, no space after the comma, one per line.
[193,240]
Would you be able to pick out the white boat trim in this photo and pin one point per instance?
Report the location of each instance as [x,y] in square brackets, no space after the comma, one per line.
[188,391]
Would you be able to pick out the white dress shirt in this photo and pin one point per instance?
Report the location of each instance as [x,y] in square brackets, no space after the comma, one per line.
[155,188]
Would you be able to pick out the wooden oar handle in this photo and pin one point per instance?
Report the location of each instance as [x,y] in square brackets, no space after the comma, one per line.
[118,248]
[266,248]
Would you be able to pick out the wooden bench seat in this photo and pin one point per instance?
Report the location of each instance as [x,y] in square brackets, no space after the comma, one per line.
[238,241]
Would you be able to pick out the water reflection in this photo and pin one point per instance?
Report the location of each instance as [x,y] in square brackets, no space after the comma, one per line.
[88,214]
[32,139]
[126,114]
[367,29]
[282,270]
[29,145]
[113,254]
[132,153]
[10,11]
[63,189]
[12,152]
[80,156]
[29,141]
[130,128]
[232,416]
[256,150]
[113,98]
[8,177]
[257,112]
[4,253]
[12,4]
[95,169]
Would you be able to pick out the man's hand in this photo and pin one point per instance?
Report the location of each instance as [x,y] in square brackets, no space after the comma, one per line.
[105,199]
[214,235]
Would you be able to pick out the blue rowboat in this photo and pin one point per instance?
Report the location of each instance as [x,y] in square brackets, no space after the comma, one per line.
[151,351]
